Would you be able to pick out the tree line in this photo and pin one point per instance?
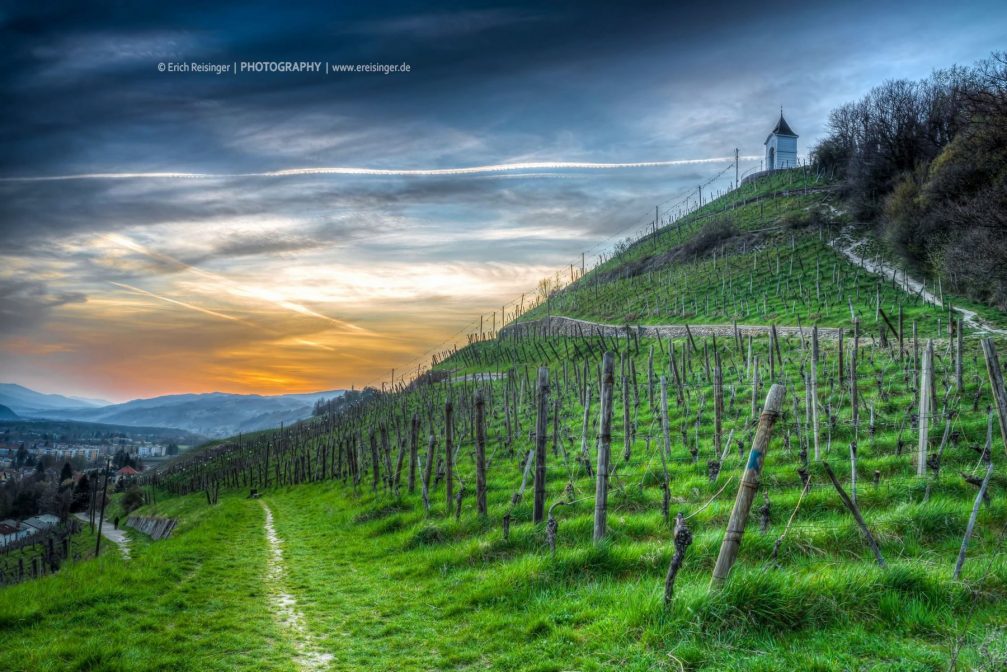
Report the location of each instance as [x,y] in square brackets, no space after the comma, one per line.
[926,163]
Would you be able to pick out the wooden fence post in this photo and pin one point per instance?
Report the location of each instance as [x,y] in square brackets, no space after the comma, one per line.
[997,384]
[604,447]
[925,410]
[958,357]
[413,451]
[854,388]
[584,452]
[480,453]
[814,388]
[665,449]
[718,405]
[627,426]
[749,485]
[541,429]
[428,468]
[448,458]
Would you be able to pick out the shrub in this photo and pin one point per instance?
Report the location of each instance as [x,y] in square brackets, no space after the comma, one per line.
[133,499]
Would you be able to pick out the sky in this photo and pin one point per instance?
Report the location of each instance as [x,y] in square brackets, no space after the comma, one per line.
[267,231]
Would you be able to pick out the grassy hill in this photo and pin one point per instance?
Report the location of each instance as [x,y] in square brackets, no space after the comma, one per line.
[763,253]
[358,569]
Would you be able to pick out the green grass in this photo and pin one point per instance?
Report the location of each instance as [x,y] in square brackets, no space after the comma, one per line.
[775,266]
[394,589]
[193,602]
[382,584]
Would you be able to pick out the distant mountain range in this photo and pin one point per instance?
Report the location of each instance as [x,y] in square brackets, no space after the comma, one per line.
[7,414]
[214,415]
[23,401]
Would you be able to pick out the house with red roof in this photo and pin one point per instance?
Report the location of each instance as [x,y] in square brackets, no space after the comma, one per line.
[125,472]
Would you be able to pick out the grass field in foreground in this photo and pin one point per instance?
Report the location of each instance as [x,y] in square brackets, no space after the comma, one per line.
[382,585]
[193,602]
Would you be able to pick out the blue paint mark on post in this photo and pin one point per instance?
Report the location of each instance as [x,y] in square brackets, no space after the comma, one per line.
[755,460]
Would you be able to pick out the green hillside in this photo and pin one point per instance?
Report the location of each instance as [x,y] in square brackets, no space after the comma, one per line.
[344,562]
[767,252]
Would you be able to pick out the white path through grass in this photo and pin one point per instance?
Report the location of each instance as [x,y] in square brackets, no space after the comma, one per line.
[118,537]
[309,656]
[849,246]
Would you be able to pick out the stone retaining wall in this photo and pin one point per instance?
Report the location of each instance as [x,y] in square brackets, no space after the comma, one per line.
[155,528]
[568,326]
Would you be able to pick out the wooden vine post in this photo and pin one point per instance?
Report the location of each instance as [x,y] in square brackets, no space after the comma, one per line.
[375,466]
[749,485]
[448,449]
[428,468]
[997,384]
[958,357]
[480,453]
[541,428]
[851,505]
[854,390]
[666,448]
[814,388]
[972,521]
[627,427]
[718,405]
[413,450]
[604,447]
[925,410]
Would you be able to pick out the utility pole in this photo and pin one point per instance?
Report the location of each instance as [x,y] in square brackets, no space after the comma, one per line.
[101,519]
[94,499]
[735,167]
[700,195]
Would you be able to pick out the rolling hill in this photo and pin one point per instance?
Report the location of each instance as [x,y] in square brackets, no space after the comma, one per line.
[25,401]
[214,414]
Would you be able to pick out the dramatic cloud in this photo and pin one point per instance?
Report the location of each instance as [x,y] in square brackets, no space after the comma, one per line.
[175,231]
[25,304]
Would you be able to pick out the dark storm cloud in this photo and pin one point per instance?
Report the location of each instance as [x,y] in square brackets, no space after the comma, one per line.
[83,79]
[87,96]
[25,304]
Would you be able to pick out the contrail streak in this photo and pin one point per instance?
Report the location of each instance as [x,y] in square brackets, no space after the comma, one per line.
[207,311]
[233,288]
[137,290]
[386,172]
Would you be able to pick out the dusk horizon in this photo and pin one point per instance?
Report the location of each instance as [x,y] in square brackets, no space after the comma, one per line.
[169,232]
